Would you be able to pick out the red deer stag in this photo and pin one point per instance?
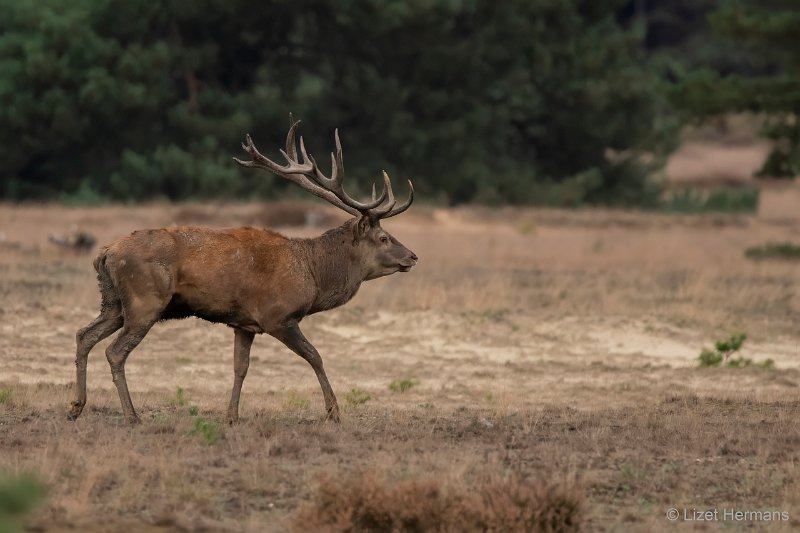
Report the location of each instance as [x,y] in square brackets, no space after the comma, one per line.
[254,280]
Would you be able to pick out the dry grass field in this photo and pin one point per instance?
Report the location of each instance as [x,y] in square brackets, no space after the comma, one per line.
[544,367]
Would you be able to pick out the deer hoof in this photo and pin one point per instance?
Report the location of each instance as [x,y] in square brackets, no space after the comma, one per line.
[75,411]
[333,415]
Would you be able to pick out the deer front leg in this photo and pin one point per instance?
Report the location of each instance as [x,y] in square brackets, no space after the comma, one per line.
[294,339]
[242,342]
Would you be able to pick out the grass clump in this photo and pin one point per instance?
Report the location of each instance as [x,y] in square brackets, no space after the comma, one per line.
[742,200]
[370,502]
[209,431]
[179,399]
[357,397]
[724,349]
[296,402]
[19,495]
[402,385]
[5,396]
[774,250]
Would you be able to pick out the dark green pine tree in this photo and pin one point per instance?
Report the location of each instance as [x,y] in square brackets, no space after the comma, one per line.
[771,29]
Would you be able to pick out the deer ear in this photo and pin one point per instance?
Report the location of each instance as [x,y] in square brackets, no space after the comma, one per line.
[362,227]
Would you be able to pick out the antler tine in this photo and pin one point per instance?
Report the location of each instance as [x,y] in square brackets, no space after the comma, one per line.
[261,161]
[251,149]
[337,161]
[398,210]
[293,171]
[334,183]
[303,152]
[381,212]
[308,176]
[291,146]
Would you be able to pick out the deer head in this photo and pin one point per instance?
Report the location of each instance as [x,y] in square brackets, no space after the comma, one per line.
[379,253]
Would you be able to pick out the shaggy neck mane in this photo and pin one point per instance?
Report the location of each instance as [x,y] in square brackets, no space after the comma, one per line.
[334,265]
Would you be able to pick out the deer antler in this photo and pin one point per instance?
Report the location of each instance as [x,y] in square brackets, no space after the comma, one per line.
[307,175]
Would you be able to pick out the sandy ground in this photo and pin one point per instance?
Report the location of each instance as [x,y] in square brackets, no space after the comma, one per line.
[516,287]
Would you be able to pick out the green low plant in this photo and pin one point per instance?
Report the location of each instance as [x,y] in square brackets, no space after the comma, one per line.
[723,350]
[208,430]
[402,385]
[774,250]
[742,200]
[357,397]
[5,396]
[710,358]
[19,495]
[296,402]
[179,399]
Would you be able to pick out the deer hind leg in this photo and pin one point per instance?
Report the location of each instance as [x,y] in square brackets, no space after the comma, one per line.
[109,321]
[117,353]
[243,340]
[294,339]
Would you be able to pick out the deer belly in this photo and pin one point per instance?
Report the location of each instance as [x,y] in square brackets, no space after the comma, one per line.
[230,314]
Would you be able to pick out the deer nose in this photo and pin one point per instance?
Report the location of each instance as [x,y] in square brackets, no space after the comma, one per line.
[414,257]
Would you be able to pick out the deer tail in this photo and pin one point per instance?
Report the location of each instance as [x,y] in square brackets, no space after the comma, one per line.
[108,289]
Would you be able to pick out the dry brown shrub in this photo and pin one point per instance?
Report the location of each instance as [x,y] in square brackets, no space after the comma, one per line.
[368,501]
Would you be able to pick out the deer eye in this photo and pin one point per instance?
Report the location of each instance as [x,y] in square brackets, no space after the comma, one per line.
[384,239]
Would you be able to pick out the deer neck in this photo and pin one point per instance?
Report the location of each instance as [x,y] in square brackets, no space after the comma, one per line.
[335,266]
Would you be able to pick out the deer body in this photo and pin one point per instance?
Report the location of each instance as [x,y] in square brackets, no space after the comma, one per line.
[248,278]
[254,280]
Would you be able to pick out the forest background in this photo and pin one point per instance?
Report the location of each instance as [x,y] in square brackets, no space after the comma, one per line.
[544,102]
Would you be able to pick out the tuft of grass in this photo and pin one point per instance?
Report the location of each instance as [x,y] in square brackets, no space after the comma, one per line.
[370,502]
[19,495]
[526,227]
[743,362]
[774,250]
[742,200]
[495,315]
[179,399]
[766,364]
[710,358]
[402,385]
[5,396]
[183,361]
[296,402]
[357,397]
[208,430]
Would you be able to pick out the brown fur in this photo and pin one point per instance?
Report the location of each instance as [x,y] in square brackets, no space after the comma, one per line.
[254,280]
